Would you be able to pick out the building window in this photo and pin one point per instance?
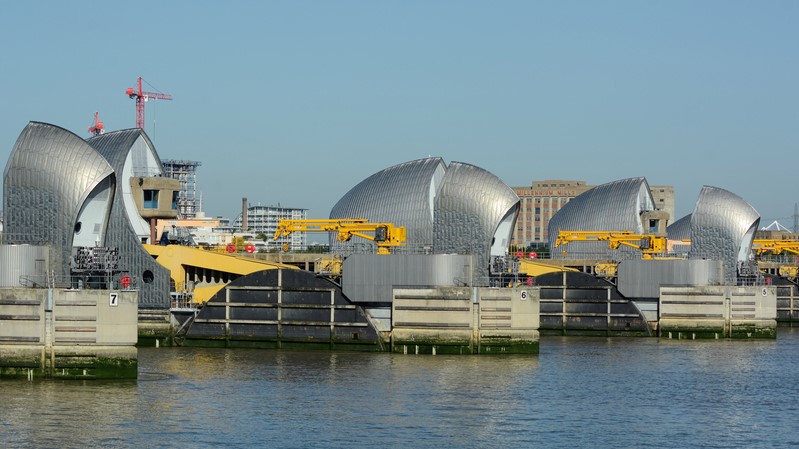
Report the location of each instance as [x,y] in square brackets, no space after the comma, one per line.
[175,200]
[151,199]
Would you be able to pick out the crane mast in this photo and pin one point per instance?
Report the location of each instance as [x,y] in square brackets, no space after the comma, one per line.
[142,97]
[97,128]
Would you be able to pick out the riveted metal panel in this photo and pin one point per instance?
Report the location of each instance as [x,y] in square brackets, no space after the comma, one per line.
[457,209]
[402,195]
[49,175]
[680,229]
[134,147]
[468,210]
[615,206]
[723,226]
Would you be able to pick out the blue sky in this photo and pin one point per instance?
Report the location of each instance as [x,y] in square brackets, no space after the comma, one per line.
[295,102]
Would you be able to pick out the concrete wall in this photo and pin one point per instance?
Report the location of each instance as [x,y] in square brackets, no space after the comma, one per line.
[718,311]
[68,333]
[464,320]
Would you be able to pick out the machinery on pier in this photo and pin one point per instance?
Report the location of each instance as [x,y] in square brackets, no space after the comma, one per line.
[385,235]
[776,247]
[650,245]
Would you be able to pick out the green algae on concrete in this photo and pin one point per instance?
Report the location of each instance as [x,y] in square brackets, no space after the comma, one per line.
[718,332]
[86,362]
[283,343]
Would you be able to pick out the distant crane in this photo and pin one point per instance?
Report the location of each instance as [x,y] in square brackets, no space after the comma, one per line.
[97,128]
[141,97]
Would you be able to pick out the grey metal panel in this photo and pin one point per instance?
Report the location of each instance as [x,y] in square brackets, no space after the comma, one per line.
[115,147]
[722,228]
[613,206]
[47,178]
[370,278]
[643,278]
[455,209]
[468,209]
[400,195]
[680,229]
[133,258]
[16,261]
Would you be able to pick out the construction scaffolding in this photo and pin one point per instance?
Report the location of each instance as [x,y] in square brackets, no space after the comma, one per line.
[186,172]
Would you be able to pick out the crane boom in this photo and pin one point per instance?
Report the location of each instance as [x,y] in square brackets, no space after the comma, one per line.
[141,97]
[386,235]
[776,247]
[649,244]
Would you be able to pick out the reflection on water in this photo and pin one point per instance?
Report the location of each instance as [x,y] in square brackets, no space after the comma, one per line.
[587,392]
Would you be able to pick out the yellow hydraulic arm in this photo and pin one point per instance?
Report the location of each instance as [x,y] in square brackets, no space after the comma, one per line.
[650,245]
[386,235]
[776,247]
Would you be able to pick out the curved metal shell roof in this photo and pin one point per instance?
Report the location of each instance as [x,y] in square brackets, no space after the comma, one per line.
[47,178]
[468,210]
[116,147]
[615,206]
[111,146]
[457,209]
[402,195]
[723,226]
[680,229]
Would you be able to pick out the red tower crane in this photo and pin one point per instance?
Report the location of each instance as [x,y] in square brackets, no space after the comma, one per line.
[98,127]
[141,97]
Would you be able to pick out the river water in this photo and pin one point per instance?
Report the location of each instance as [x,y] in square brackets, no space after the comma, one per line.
[578,392]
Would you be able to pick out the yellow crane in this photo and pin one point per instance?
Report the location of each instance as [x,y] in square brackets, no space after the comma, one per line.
[650,245]
[776,247]
[386,235]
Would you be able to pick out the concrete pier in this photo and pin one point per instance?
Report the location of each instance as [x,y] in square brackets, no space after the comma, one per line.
[74,334]
[465,320]
[717,311]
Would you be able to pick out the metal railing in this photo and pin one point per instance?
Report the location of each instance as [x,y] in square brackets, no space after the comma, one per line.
[116,281]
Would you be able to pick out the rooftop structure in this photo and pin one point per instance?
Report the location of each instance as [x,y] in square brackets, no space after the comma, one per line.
[458,208]
[83,197]
[616,205]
